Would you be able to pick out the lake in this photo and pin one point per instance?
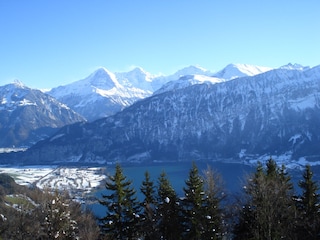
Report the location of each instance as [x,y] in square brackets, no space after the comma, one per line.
[233,176]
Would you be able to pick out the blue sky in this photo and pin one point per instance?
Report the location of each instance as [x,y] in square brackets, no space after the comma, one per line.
[49,43]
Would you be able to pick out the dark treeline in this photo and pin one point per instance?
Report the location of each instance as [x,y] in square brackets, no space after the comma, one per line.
[267,208]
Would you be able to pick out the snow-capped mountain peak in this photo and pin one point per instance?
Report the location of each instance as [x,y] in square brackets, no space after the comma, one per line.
[103,78]
[197,75]
[136,78]
[139,71]
[18,83]
[295,66]
[232,71]
[101,88]
[186,81]
[191,70]
[99,79]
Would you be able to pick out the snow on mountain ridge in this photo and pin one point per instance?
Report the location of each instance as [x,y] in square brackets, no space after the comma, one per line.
[28,115]
[99,79]
[186,81]
[13,95]
[140,70]
[103,78]
[136,78]
[160,81]
[295,66]
[192,70]
[118,90]
[98,95]
[232,71]
[19,83]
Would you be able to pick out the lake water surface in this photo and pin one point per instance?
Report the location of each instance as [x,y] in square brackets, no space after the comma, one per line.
[232,174]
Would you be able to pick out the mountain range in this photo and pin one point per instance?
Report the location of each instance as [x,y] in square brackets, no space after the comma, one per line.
[198,117]
[104,93]
[101,94]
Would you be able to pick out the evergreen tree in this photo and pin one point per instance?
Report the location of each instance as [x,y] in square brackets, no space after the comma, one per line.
[168,212]
[202,218]
[246,219]
[193,205]
[308,207]
[148,217]
[268,212]
[122,218]
[214,195]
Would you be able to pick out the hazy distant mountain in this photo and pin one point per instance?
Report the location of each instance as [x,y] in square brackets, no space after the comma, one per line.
[196,75]
[295,66]
[240,70]
[272,113]
[28,115]
[136,78]
[186,81]
[160,81]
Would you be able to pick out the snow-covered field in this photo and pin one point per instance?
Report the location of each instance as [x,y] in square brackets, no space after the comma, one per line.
[77,181]
[284,159]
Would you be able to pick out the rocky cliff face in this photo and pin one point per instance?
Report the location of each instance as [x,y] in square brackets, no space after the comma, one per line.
[277,112]
[28,115]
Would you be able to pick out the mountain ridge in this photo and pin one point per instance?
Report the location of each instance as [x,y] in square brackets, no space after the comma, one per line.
[232,71]
[121,89]
[273,113]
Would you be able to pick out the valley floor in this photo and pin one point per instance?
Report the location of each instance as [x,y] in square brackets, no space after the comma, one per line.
[78,181]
